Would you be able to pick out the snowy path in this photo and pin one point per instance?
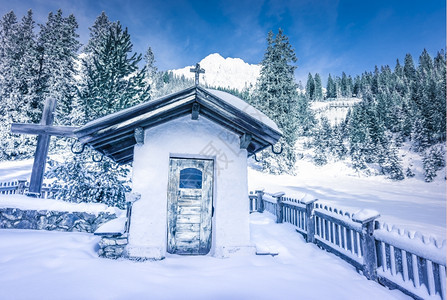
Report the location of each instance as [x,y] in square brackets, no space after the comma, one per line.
[55,265]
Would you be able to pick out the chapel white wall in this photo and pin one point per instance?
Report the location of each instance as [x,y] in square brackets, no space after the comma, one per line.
[184,137]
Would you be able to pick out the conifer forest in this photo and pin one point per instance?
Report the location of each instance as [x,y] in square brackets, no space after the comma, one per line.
[402,106]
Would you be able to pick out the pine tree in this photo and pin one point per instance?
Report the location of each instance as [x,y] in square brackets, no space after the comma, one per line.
[98,32]
[58,44]
[79,179]
[110,82]
[113,81]
[310,88]
[322,142]
[346,86]
[331,89]
[18,74]
[409,69]
[149,58]
[277,96]
[337,146]
[433,160]
[318,94]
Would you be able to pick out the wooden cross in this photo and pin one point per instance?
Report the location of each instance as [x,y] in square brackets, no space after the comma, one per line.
[197,70]
[44,131]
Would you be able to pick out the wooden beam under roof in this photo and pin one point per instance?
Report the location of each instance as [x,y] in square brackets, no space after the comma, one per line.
[125,159]
[118,148]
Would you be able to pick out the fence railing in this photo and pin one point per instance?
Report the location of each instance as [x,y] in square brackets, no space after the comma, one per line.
[21,187]
[396,258]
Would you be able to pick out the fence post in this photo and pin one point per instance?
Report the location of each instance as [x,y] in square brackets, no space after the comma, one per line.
[279,206]
[310,217]
[260,203]
[21,186]
[367,218]
[251,205]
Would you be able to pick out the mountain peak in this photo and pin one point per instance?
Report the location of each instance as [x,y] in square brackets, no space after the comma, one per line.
[224,72]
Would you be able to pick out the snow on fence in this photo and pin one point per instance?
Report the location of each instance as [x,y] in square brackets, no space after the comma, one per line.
[395,258]
[21,187]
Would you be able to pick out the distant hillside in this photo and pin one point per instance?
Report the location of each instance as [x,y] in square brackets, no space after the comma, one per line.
[336,110]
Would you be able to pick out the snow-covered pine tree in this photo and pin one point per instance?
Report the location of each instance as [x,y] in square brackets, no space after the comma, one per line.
[310,88]
[346,85]
[151,69]
[439,119]
[322,141]
[433,160]
[331,89]
[276,95]
[305,116]
[82,180]
[18,74]
[337,146]
[356,91]
[110,82]
[98,32]
[409,69]
[390,163]
[318,93]
[58,44]
[113,80]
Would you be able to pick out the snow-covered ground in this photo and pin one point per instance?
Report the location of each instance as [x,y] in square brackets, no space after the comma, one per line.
[15,169]
[56,265]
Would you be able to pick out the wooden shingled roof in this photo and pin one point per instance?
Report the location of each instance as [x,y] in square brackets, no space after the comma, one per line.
[115,135]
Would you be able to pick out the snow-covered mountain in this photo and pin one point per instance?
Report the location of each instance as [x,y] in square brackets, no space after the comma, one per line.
[224,72]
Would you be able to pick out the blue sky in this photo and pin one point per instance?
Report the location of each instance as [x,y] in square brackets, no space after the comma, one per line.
[328,36]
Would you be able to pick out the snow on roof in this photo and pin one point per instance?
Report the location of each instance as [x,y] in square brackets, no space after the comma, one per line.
[109,133]
[245,107]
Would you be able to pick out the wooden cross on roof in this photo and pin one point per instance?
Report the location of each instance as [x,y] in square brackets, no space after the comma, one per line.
[44,131]
[197,70]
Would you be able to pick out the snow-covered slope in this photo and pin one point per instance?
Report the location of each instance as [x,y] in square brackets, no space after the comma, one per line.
[335,111]
[224,72]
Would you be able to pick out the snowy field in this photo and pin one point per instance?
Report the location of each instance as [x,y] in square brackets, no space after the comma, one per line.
[57,265]
[410,204]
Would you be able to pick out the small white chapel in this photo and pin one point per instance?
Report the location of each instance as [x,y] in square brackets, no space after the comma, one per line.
[188,152]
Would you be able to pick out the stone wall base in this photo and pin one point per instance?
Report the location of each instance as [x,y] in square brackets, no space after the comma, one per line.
[113,246]
[14,218]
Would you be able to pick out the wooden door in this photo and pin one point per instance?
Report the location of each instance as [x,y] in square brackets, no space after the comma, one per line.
[190,208]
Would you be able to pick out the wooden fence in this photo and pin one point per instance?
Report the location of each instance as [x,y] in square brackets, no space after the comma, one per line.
[395,258]
[21,187]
